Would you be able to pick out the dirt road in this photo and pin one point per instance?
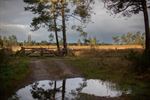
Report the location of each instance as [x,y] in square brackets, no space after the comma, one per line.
[55,69]
[44,69]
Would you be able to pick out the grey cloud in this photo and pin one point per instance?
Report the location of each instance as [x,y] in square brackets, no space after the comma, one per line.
[104,26]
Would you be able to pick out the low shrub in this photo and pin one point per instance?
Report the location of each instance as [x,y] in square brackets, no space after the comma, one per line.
[141,61]
[4,57]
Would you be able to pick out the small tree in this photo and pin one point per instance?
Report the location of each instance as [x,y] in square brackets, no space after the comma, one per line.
[12,40]
[5,41]
[79,42]
[116,39]
[138,38]
[51,38]
[1,42]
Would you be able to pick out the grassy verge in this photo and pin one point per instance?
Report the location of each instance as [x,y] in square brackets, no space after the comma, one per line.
[102,68]
[12,73]
[114,69]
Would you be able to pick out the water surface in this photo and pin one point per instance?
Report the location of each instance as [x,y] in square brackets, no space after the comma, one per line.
[67,89]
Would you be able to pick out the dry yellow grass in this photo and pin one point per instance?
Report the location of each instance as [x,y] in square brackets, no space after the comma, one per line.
[99,47]
[108,47]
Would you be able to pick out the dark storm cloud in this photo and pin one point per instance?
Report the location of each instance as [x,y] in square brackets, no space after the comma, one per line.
[14,20]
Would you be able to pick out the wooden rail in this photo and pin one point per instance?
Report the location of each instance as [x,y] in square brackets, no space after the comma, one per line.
[37,52]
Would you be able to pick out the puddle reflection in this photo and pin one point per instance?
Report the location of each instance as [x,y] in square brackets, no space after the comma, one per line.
[68,89]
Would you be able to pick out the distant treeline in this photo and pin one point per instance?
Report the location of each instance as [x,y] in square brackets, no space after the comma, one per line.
[127,39]
[7,41]
[130,38]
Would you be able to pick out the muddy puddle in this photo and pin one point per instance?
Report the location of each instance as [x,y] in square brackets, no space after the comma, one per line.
[68,89]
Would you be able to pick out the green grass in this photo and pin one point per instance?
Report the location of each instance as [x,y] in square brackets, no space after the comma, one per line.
[12,73]
[114,69]
[100,68]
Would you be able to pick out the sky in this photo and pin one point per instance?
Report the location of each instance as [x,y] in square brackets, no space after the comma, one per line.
[15,21]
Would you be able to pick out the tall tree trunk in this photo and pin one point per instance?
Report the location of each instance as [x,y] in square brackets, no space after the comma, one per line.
[63,89]
[146,20]
[55,86]
[64,27]
[56,34]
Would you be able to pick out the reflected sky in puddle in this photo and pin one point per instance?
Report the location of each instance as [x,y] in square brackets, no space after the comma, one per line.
[67,89]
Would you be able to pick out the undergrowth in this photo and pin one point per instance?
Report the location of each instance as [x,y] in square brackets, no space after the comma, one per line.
[12,71]
[141,61]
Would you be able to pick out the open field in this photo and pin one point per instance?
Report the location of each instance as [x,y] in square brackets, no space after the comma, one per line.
[83,47]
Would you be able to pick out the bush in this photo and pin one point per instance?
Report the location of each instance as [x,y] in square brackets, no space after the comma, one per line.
[4,57]
[12,71]
[141,61]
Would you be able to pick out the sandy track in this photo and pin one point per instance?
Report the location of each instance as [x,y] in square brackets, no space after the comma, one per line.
[46,69]
[39,70]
